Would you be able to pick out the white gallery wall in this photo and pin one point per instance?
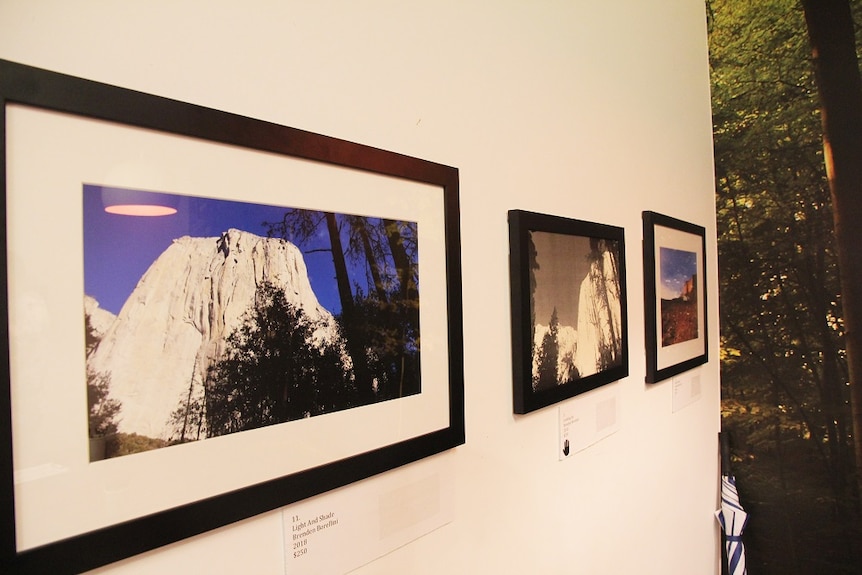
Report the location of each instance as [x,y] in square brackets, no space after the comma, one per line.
[588,110]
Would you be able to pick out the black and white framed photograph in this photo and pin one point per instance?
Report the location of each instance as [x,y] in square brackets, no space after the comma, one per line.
[569,316]
[675,296]
[208,317]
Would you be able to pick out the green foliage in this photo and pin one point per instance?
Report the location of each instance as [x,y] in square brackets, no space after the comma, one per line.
[102,409]
[275,369]
[780,298]
[784,374]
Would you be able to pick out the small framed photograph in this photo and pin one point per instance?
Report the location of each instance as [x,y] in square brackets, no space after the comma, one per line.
[675,296]
[207,317]
[569,318]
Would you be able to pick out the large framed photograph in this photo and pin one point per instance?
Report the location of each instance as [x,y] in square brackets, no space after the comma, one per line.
[569,318]
[675,296]
[206,317]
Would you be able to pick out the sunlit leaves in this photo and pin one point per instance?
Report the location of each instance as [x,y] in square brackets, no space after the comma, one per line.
[779,301]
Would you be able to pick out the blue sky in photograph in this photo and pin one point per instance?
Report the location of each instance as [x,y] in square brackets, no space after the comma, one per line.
[677,267]
[118,249]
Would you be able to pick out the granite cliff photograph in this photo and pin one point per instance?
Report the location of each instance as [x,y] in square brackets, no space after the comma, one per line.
[577,309]
[217,317]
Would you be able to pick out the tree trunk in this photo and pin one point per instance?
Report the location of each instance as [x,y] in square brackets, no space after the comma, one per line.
[354,344]
[409,295]
[341,279]
[399,256]
[830,30]
[373,265]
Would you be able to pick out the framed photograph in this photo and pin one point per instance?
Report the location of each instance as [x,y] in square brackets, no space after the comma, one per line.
[206,317]
[674,288]
[569,319]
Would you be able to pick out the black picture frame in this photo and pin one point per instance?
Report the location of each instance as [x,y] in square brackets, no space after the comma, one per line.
[54,93]
[570,254]
[674,253]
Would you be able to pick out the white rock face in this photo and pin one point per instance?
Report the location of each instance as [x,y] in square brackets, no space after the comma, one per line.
[599,326]
[100,319]
[599,318]
[175,323]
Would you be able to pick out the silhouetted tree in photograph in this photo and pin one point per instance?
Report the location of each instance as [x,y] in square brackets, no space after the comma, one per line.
[606,310]
[275,369]
[549,354]
[380,310]
[103,410]
[533,266]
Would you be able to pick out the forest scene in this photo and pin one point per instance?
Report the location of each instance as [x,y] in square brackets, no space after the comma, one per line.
[787,121]
[239,316]
[576,307]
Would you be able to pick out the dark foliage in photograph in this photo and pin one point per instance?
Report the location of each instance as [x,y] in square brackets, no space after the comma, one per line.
[388,331]
[273,371]
[604,258]
[549,353]
[102,409]
[380,311]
